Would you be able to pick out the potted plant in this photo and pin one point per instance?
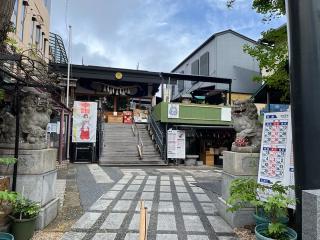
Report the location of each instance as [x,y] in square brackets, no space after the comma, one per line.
[244,193]
[5,180]
[7,199]
[276,207]
[24,216]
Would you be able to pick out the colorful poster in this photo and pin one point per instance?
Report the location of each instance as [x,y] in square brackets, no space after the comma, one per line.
[276,157]
[84,122]
[173,110]
[176,144]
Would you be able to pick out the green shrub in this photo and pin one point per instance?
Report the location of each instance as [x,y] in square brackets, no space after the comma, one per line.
[24,208]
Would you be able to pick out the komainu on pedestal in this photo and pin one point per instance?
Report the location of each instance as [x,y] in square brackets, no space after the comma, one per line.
[35,111]
[248,128]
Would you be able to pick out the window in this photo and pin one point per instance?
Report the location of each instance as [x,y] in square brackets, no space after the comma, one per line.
[45,47]
[195,70]
[15,14]
[181,83]
[33,24]
[204,64]
[42,41]
[38,36]
[23,14]
[173,90]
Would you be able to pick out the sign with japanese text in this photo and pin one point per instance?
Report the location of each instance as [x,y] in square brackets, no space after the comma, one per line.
[84,122]
[276,156]
[176,145]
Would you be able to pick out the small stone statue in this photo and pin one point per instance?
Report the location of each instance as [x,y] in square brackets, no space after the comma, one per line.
[247,127]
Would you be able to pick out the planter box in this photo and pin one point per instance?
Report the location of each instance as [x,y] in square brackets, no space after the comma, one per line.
[226,182]
[238,218]
[31,161]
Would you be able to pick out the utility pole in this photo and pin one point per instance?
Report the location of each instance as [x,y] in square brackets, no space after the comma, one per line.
[69,67]
[68,91]
[304,45]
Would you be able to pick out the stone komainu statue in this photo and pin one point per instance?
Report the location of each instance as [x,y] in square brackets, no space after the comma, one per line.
[247,127]
[35,114]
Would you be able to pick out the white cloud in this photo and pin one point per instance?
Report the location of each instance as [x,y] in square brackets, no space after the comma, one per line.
[156,33]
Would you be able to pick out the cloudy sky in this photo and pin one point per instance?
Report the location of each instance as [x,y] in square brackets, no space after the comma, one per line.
[157,34]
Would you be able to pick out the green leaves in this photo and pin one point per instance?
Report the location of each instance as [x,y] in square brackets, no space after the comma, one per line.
[8,197]
[272,55]
[1,94]
[244,191]
[272,52]
[277,231]
[24,208]
[270,8]
[7,160]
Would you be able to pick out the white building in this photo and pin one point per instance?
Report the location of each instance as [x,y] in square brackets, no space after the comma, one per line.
[222,55]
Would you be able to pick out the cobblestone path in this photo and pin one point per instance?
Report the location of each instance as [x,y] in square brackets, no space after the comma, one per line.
[177,210]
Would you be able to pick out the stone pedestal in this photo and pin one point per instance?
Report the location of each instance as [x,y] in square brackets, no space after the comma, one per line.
[311,214]
[236,165]
[191,160]
[37,175]
[241,164]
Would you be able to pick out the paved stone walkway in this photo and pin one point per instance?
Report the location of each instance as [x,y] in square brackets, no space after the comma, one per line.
[177,209]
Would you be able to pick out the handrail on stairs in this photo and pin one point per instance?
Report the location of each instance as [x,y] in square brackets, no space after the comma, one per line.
[159,136]
[136,132]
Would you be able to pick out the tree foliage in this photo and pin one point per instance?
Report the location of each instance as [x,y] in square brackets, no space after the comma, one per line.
[6,10]
[272,50]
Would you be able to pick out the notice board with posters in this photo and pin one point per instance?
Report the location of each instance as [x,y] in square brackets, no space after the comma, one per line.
[176,144]
[276,156]
[84,122]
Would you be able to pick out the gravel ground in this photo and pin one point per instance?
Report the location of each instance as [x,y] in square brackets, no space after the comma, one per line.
[244,234]
[47,236]
[69,213]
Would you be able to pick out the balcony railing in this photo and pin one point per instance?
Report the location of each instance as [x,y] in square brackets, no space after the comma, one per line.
[57,50]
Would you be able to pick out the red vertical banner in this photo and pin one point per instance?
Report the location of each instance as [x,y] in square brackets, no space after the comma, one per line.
[84,122]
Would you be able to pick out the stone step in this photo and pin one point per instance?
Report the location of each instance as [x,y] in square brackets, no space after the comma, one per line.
[106,161]
[126,145]
[118,136]
[117,157]
[124,152]
[120,146]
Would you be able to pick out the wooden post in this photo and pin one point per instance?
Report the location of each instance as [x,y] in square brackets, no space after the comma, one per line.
[115,102]
[143,222]
[128,103]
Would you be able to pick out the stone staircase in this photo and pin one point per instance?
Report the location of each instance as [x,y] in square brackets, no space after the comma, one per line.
[120,146]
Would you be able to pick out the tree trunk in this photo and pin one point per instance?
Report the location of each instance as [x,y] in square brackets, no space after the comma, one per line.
[6,10]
